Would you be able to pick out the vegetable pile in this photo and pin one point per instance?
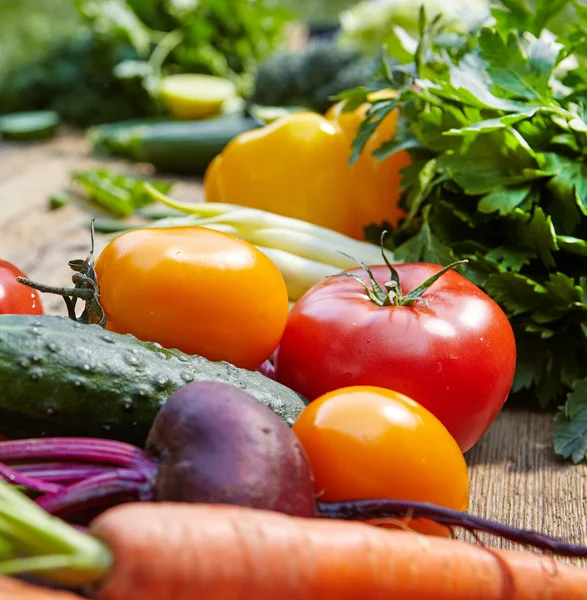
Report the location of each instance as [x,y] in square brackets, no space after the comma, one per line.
[497,135]
[368,279]
[213,444]
[111,71]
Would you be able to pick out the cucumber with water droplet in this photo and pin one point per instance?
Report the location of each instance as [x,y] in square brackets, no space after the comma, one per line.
[63,378]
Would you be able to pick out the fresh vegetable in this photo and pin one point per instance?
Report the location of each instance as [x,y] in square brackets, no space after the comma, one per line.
[112,69]
[201,291]
[312,78]
[378,201]
[119,194]
[304,253]
[64,378]
[191,96]
[99,474]
[498,138]
[172,146]
[165,550]
[217,444]
[413,328]
[318,186]
[368,442]
[350,561]
[315,187]
[29,125]
[16,298]
[211,442]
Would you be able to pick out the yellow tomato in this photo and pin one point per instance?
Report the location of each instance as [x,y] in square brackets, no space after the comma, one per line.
[198,290]
[371,443]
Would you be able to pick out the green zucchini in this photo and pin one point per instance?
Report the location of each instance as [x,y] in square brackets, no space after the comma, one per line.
[37,125]
[59,377]
[180,147]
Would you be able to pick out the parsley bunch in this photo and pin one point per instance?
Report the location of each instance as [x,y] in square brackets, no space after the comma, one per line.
[497,131]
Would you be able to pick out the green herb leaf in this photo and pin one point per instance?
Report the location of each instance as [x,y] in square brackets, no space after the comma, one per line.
[503,200]
[491,160]
[118,194]
[534,231]
[425,247]
[570,436]
[512,71]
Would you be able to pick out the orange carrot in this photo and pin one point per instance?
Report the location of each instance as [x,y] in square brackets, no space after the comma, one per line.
[13,589]
[202,552]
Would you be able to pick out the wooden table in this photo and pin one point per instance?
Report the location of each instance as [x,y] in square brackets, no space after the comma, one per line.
[515,476]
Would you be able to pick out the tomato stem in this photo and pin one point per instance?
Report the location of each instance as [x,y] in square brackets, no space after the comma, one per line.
[392,295]
[85,288]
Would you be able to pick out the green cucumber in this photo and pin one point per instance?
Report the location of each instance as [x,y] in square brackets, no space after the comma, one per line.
[35,125]
[59,377]
[179,147]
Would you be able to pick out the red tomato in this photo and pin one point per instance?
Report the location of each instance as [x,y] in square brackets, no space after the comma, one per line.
[17,298]
[453,352]
[367,442]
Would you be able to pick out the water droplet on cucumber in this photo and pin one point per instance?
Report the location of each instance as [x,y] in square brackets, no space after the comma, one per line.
[77,382]
[161,381]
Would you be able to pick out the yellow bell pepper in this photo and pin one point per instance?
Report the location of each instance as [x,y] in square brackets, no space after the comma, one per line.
[377,182]
[298,167]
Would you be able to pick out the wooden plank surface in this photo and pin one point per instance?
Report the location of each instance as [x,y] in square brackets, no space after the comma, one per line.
[515,476]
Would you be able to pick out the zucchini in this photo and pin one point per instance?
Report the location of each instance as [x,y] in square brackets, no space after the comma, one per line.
[37,125]
[179,147]
[60,377]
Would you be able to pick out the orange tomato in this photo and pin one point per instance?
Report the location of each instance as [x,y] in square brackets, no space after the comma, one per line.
[371,443]
[198,290]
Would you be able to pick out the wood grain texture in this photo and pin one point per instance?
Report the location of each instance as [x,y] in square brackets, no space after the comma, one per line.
[515,476]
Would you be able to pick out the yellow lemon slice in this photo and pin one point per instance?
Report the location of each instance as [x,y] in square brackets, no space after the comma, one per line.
[191,96]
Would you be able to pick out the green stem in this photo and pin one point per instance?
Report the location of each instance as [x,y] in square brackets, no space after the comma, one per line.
[392,296]
[55,550]
[416,294]
[86,288]
[204,209]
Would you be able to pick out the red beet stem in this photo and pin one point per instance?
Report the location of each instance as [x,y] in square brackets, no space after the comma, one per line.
[74,449]
[32,483]
[398,509]
[99,491]
[64,473]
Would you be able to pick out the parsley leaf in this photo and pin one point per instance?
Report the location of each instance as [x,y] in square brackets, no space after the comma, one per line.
[570,436]
[514,73]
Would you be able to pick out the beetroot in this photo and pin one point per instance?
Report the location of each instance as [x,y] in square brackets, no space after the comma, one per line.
[216,444]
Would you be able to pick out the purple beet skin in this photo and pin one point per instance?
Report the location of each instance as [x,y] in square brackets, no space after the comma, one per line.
[217,444]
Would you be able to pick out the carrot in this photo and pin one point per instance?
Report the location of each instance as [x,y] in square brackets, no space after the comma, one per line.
[204,552]
[13,589]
